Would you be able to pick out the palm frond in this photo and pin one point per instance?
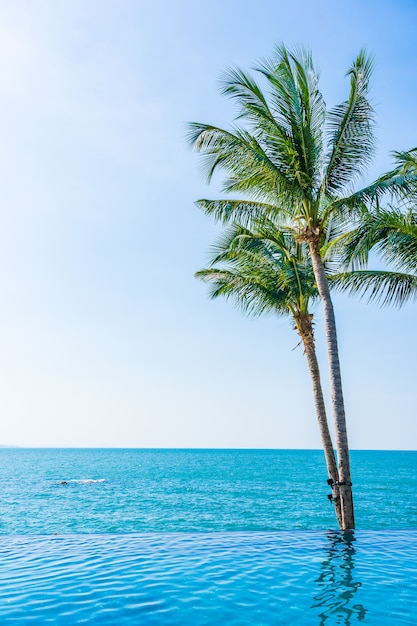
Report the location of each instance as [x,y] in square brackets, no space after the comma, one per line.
[396,240]
[370,195]
[248,165]
[397,185]
[249,293]
[249,214]
[264,124]
[350,131]
[384,288]
[390,232]
[407,168]
[244,212]
[407,160]
[239,246]
[252,104]
[262,270]
[299,107]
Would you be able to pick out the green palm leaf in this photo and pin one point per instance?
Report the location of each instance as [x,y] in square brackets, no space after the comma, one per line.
[300,110]
[350,131]
[262,270]
[391,232]
[384,288]
[244,212]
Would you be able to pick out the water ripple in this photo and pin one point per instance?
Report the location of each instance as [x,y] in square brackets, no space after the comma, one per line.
[220,578]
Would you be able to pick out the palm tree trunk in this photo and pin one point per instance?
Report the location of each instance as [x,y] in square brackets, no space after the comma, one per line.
[342,447]
[305,330]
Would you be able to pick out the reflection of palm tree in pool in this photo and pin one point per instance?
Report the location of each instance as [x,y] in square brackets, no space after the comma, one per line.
[337,584]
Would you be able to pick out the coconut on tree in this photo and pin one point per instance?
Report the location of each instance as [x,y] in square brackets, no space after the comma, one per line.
[268,271]
[291,158]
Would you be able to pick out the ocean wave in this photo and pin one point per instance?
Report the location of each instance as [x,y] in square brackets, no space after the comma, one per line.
[83,481]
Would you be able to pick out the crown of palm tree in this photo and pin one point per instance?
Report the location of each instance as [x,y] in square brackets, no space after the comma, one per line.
[291,157]
[262,271]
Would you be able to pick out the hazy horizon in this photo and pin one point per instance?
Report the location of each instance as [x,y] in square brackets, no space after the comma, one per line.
[39,447]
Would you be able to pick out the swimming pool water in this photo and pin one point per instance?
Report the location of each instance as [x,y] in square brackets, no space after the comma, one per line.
[299,578]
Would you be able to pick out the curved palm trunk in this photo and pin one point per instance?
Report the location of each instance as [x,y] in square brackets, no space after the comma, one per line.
[305,330]
[342,447]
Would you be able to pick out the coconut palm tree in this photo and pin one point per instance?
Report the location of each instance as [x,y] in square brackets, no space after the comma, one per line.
[293,159]
[266,271]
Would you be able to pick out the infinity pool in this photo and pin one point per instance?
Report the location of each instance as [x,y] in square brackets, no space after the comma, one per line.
[219,578]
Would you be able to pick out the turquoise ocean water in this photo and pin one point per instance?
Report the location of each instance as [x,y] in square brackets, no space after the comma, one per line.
[204,537]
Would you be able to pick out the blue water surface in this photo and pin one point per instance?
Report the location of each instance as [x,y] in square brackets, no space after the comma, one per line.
[300,578]
[204,537]
[196,490]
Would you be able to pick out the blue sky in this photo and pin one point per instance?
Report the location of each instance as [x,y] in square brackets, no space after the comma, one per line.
[106,339]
